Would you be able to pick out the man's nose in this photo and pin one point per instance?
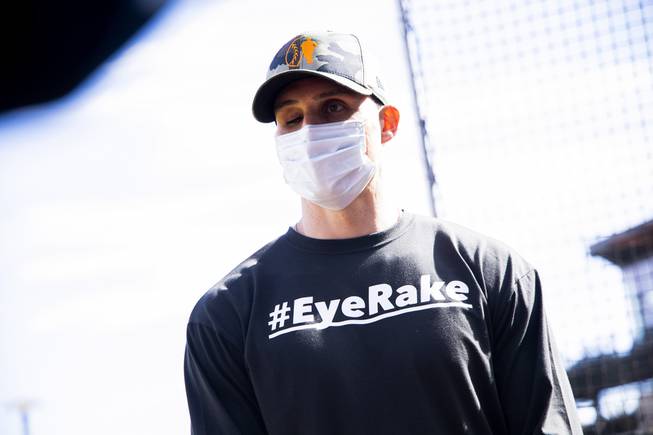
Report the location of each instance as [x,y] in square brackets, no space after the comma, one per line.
[313,118]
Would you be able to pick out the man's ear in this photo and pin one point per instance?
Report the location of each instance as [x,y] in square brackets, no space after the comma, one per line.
[389,121]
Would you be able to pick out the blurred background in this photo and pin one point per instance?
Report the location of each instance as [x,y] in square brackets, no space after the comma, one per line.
[133,177]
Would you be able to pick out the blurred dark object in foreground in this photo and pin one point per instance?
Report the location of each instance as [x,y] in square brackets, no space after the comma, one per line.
[52,46]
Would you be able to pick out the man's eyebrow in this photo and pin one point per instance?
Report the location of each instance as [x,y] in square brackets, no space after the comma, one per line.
[330,93]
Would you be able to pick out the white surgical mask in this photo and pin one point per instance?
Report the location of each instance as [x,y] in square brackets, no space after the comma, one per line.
[326,163]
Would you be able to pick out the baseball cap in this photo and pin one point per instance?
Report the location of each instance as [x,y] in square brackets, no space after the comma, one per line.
[335,56]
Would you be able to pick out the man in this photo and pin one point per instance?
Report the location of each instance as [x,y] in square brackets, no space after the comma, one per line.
[363,318]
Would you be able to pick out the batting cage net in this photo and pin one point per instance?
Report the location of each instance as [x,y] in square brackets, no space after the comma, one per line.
[537,120]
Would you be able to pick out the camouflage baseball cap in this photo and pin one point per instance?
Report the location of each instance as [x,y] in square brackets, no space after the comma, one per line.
[336,56]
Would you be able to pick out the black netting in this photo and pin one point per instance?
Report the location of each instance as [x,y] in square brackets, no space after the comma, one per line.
[538,123]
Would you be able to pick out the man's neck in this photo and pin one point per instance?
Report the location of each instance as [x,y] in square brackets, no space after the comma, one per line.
[369,213]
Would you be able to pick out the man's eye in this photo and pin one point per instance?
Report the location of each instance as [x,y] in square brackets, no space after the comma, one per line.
[334,106]
[294,120]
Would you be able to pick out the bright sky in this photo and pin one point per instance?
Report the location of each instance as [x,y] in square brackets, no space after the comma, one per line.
[121,205]
[124,203]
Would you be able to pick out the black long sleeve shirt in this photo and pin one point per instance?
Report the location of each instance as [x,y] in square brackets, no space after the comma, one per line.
[425,328]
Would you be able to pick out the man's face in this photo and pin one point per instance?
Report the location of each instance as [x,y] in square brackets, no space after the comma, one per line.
[315,100]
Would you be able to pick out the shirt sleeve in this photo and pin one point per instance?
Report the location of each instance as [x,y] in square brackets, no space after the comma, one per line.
[221,399]
[532,383]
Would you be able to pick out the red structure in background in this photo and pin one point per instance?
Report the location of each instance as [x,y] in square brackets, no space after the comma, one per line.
[632,252]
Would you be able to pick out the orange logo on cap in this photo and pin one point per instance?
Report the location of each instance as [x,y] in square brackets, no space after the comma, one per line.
[308,46]
[294,54]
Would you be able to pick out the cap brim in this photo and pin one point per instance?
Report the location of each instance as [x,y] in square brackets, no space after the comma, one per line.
[267,92]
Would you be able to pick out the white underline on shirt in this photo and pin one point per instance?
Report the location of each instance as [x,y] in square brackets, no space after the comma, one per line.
[323,325]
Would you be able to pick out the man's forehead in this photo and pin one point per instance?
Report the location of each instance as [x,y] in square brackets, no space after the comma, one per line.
[310,89]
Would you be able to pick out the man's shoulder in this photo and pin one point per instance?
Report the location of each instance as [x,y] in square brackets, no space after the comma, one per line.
[458,233]
[473,246]
[232,294]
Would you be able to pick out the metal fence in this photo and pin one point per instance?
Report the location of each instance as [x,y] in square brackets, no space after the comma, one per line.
[537,120]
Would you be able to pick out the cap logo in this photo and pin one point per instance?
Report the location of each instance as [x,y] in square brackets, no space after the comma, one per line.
[293,56]
[308,46]
[294,53]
